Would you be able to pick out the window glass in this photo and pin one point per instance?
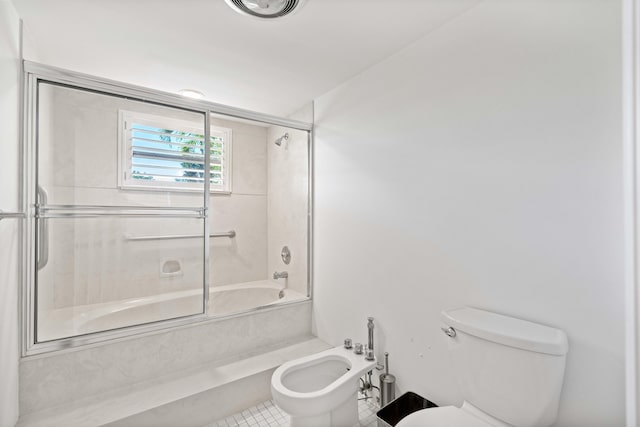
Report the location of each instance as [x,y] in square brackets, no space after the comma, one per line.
[162,153]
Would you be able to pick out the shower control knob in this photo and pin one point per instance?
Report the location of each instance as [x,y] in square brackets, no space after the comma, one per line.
[358,348]
[286,255]
[348,344]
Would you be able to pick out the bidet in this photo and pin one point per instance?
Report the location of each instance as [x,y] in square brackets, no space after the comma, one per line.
[320,390]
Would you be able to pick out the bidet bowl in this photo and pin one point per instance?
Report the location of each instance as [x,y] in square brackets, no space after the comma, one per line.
[319,383]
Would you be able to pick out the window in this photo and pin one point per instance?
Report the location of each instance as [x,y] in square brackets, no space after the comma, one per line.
[163,153]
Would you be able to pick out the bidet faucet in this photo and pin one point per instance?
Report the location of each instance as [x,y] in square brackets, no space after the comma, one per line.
[280,275]
[370,354]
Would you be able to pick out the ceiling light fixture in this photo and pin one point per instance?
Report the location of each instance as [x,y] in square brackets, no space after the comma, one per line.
[191,93]
[268,9]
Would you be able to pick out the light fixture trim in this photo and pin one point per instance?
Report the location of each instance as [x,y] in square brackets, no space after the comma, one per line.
[265,9]
[191,93]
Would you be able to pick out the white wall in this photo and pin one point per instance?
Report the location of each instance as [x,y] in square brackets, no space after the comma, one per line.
[9,201]
[631,125]
[481,166]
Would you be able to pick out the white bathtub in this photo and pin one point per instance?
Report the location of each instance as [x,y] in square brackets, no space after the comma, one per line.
[223,300]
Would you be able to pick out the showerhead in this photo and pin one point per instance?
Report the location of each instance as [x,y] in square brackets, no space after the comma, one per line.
[284,137]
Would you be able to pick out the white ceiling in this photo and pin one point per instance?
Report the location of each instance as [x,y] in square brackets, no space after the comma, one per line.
[267,66]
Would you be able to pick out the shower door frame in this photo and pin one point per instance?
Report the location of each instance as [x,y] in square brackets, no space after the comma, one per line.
[34,73]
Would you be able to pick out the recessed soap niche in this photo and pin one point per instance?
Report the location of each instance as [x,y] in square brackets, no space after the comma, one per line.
[170,267]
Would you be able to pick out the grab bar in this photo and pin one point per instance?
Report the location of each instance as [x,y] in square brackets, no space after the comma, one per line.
[4,215]
[230,234]
[43,231]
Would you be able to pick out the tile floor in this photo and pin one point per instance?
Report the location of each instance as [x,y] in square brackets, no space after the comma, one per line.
[267,414]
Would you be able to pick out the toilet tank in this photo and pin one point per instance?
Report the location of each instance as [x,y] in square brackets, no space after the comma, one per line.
[509,368]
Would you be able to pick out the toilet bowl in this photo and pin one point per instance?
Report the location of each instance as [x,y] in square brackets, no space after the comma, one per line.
[321,390]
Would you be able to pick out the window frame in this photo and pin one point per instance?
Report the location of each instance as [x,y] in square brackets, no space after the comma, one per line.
[125,158]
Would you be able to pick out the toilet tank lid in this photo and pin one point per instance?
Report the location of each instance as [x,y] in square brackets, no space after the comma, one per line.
[507,330]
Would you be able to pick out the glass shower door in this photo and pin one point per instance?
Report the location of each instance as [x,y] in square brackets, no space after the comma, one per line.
[120,212]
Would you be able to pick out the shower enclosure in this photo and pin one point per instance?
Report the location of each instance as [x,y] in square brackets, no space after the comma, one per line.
[149,211]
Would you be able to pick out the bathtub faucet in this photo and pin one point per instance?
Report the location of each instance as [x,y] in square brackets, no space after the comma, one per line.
[280,275]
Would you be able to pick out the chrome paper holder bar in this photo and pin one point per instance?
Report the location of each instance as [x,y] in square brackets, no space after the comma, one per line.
[230,234]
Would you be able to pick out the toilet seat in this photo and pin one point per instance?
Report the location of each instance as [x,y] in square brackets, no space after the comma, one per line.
[448,416]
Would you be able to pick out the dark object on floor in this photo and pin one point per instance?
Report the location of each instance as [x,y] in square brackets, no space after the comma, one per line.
[406,404]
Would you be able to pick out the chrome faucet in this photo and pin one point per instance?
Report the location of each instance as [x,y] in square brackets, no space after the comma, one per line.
[280,275]
[367,384]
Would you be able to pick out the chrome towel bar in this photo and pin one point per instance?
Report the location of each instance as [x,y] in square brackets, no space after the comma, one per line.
[91,211]
[4,215]
[230,234]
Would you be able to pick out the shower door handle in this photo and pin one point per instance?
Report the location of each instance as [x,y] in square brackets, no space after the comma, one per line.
[43,231]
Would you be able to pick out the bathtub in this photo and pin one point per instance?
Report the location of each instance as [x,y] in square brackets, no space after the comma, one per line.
[223,301]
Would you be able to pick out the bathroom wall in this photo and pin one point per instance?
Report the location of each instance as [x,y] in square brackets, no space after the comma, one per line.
[244,258]
[91,260]
[480,166]
[9,201]
[287,205]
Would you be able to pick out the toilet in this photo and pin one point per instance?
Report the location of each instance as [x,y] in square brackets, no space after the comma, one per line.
[321,390]
[509,371]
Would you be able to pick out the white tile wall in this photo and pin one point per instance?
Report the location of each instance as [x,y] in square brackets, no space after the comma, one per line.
[287,204]
[243,258]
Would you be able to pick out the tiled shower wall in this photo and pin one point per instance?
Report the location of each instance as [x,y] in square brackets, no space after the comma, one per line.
[287,204]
